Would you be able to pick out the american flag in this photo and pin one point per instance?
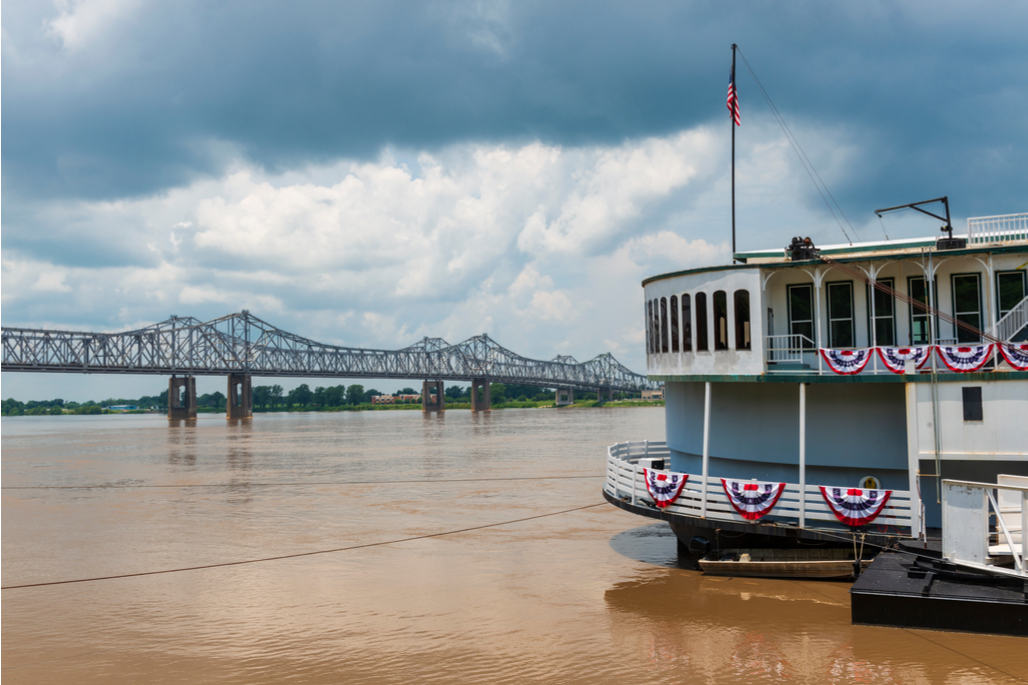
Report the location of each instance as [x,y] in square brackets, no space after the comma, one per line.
[733,98]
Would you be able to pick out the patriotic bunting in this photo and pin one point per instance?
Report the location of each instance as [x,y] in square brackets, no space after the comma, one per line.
[664,486]
[895,358]
[1016,355]
[846,362]
[964,358]
[752,499]
[853,506]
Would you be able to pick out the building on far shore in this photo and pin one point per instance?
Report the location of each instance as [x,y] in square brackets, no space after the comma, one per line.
[653,394]
[122,407]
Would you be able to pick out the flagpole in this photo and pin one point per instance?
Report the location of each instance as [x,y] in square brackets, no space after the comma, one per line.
[731,122]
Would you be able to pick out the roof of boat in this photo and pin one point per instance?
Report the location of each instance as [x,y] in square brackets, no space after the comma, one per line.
[848,252]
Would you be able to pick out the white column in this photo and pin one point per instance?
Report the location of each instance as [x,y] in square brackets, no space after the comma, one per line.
[706,446]
[818,336]
[803,455]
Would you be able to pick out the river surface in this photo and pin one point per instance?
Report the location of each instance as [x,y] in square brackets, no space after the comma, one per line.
[591,596]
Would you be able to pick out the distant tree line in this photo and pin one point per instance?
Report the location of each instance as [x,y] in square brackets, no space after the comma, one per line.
[274,398]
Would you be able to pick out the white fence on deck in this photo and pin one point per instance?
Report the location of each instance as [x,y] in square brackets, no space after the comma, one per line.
[997,229]
[625,481]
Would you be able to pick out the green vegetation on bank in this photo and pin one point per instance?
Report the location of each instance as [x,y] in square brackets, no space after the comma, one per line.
[272,398]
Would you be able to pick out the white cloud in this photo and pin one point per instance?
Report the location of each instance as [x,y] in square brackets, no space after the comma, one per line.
[542,247]
[84,22]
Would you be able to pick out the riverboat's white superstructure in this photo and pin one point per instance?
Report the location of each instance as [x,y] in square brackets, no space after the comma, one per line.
[786,369]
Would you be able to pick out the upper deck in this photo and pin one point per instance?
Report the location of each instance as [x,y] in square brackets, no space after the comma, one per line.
[769,317]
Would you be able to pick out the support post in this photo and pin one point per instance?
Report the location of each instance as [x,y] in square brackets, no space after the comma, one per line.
[565,396]
[427,403]
[706,447]
[186,407]
[803,455]
[239,397]
[485,402]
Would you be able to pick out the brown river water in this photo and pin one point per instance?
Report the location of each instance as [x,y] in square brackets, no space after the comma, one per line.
[592,596]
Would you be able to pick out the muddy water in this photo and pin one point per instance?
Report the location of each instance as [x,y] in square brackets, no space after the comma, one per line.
[591,596]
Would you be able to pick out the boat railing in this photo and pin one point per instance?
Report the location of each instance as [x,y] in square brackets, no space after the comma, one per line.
[1004,228]
[788,349]
[625,481]
[967,538]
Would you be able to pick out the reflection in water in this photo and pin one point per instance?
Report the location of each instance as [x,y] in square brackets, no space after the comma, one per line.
[592,597]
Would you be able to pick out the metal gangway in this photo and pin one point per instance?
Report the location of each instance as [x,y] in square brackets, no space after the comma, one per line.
[983,524]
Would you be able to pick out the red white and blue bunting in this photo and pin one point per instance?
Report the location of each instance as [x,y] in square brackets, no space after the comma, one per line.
[853,506]
[896,358]
[964,358]
[752,499]
[846,362]
[1016,355]
[664,486]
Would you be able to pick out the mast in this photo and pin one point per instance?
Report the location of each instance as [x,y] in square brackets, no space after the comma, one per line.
[731,123]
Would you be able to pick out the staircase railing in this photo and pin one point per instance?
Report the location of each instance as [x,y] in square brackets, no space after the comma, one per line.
[1012,322]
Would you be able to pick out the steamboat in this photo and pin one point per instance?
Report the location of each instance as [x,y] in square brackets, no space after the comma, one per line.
[819,397]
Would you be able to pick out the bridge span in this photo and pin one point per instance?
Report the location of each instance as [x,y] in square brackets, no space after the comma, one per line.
[240,346]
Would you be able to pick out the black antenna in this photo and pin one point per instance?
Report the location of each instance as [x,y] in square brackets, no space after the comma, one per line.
[947,243]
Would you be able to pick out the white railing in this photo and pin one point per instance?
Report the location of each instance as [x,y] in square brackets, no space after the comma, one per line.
[1012,322]
[625,481]
[788,349]
[966,510]
[997,229]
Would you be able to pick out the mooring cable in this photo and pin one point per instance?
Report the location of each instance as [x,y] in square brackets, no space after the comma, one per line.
[300,554]
[307,482]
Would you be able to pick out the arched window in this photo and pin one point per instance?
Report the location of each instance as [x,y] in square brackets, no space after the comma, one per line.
[742,320]
[663,324]
[701,322]
[673,304]
[720,320]
[686,323]
[648,318]
[656,325]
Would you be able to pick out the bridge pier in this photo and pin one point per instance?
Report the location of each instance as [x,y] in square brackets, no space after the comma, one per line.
[240,397]
[565,396]
[183,407]
[608,391]
[427,405]
[486,402]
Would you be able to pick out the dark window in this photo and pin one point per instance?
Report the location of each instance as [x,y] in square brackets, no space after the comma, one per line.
[720,320]
[742,320]
[967,306]
[701,322]
[801,313]
[686,324]
[1010,290]
[663,324]
[840,315]
[884,314]
[674,322]
[919,326]
[973,404]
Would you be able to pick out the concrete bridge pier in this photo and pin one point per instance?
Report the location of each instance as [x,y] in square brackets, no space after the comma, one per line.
[427,404]
[485,403]
[565,396]
[184,406]
[240,397]
[605,394]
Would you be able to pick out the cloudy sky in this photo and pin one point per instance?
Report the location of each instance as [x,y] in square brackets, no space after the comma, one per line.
[371,173]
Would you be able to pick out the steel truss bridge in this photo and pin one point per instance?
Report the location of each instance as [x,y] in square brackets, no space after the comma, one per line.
[242,344]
